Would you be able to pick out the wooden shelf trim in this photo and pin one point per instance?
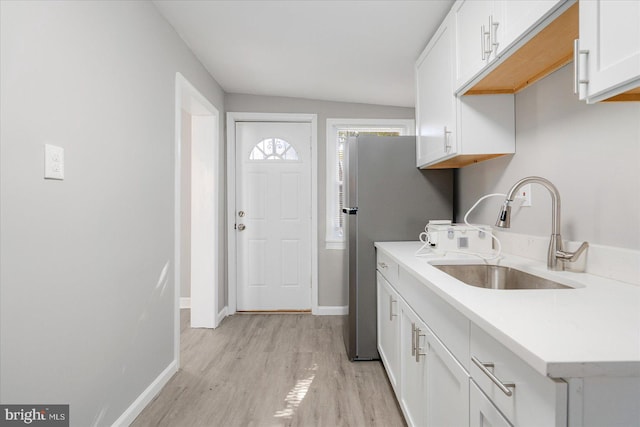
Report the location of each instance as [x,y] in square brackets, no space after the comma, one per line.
[463,160]
[628,96]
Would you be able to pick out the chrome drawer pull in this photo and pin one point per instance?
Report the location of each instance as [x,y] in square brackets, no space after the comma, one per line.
[382,265]
[413,339]
[504,387]
[391,315]
[418,334]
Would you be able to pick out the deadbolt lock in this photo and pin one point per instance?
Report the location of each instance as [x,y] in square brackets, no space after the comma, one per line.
[241,214]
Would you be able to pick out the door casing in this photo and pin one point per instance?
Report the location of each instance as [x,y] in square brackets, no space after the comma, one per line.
[232,118]
[204,300]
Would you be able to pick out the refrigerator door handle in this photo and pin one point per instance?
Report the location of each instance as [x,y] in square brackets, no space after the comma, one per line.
[350,211]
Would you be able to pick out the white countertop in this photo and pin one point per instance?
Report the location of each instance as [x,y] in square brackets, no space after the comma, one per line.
[592,330]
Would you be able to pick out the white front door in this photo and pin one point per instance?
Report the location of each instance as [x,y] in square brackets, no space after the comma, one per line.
[273,216]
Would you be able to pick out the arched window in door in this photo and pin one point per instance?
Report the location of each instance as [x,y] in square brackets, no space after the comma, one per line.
[273,149]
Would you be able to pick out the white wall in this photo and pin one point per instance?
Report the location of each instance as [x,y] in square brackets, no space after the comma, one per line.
[590,152]
[185,201]
[332,281]
[87,274]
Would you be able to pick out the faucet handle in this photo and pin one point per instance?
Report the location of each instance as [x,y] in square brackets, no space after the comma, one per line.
[572,256]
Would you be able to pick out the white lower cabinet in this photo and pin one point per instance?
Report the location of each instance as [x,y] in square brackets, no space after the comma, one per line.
[525,397]
[413,367]
[434,387]
[389,329]
[447,387]
[449,372]
[445,371]
[482,413]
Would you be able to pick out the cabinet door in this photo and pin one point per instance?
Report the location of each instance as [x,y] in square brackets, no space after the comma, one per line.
[513,19]
[610,32]
[388,329]
[473,33]
[447,387]
[435,102]
[413,365]
[482,413]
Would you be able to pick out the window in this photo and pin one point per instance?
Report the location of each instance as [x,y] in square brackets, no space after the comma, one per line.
[338,131]
[273,149]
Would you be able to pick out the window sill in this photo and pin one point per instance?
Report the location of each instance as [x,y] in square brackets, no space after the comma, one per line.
[335,245]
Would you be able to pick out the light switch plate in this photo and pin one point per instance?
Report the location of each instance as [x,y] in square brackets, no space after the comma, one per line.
[53,162]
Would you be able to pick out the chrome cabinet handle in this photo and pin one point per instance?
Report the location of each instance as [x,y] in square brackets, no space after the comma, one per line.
[577,69]
[391,315]
[418,348]
[383,265]
[485,41]
[482,49]
[413,339]
[447,143]
[504,387]
[493,34]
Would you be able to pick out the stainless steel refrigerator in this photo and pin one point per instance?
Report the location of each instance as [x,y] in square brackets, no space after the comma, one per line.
[387,199]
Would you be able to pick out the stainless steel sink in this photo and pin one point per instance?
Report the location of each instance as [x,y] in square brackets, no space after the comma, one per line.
[497,277]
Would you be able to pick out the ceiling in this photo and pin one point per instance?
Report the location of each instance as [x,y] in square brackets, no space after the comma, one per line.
[350,51]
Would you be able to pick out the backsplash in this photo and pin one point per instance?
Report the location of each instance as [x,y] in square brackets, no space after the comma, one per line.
[599,260]
[590,153]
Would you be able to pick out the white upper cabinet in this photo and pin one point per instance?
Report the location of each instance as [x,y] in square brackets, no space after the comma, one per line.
[514,18]
[453,132]
[473,35]
[608,51]
[504,45]
[487,29]
[435,102]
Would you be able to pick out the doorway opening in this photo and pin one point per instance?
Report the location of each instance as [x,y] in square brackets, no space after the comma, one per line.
[197,188]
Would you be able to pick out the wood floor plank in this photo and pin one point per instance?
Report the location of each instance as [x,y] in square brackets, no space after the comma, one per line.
[268,370]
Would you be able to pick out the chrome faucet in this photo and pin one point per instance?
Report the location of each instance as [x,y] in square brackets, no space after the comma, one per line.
[556,255]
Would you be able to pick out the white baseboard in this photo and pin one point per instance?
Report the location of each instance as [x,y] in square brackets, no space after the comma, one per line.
[323,310]
[221,315]
[328,310]
[146,396]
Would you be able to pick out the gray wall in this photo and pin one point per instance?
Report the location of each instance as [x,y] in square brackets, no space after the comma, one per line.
[87,275]
[590,152]
[332,288]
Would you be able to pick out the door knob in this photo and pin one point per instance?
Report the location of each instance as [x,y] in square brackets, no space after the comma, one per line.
[241,227]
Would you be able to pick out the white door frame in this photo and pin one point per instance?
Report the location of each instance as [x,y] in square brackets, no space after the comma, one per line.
[232,118]
[204,299]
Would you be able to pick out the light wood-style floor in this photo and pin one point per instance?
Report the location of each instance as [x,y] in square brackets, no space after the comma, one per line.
[272,370]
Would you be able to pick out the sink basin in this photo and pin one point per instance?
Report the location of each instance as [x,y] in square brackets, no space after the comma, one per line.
[497,277]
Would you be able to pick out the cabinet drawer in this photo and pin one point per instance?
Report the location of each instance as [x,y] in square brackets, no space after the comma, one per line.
[387,267]
[535,400]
